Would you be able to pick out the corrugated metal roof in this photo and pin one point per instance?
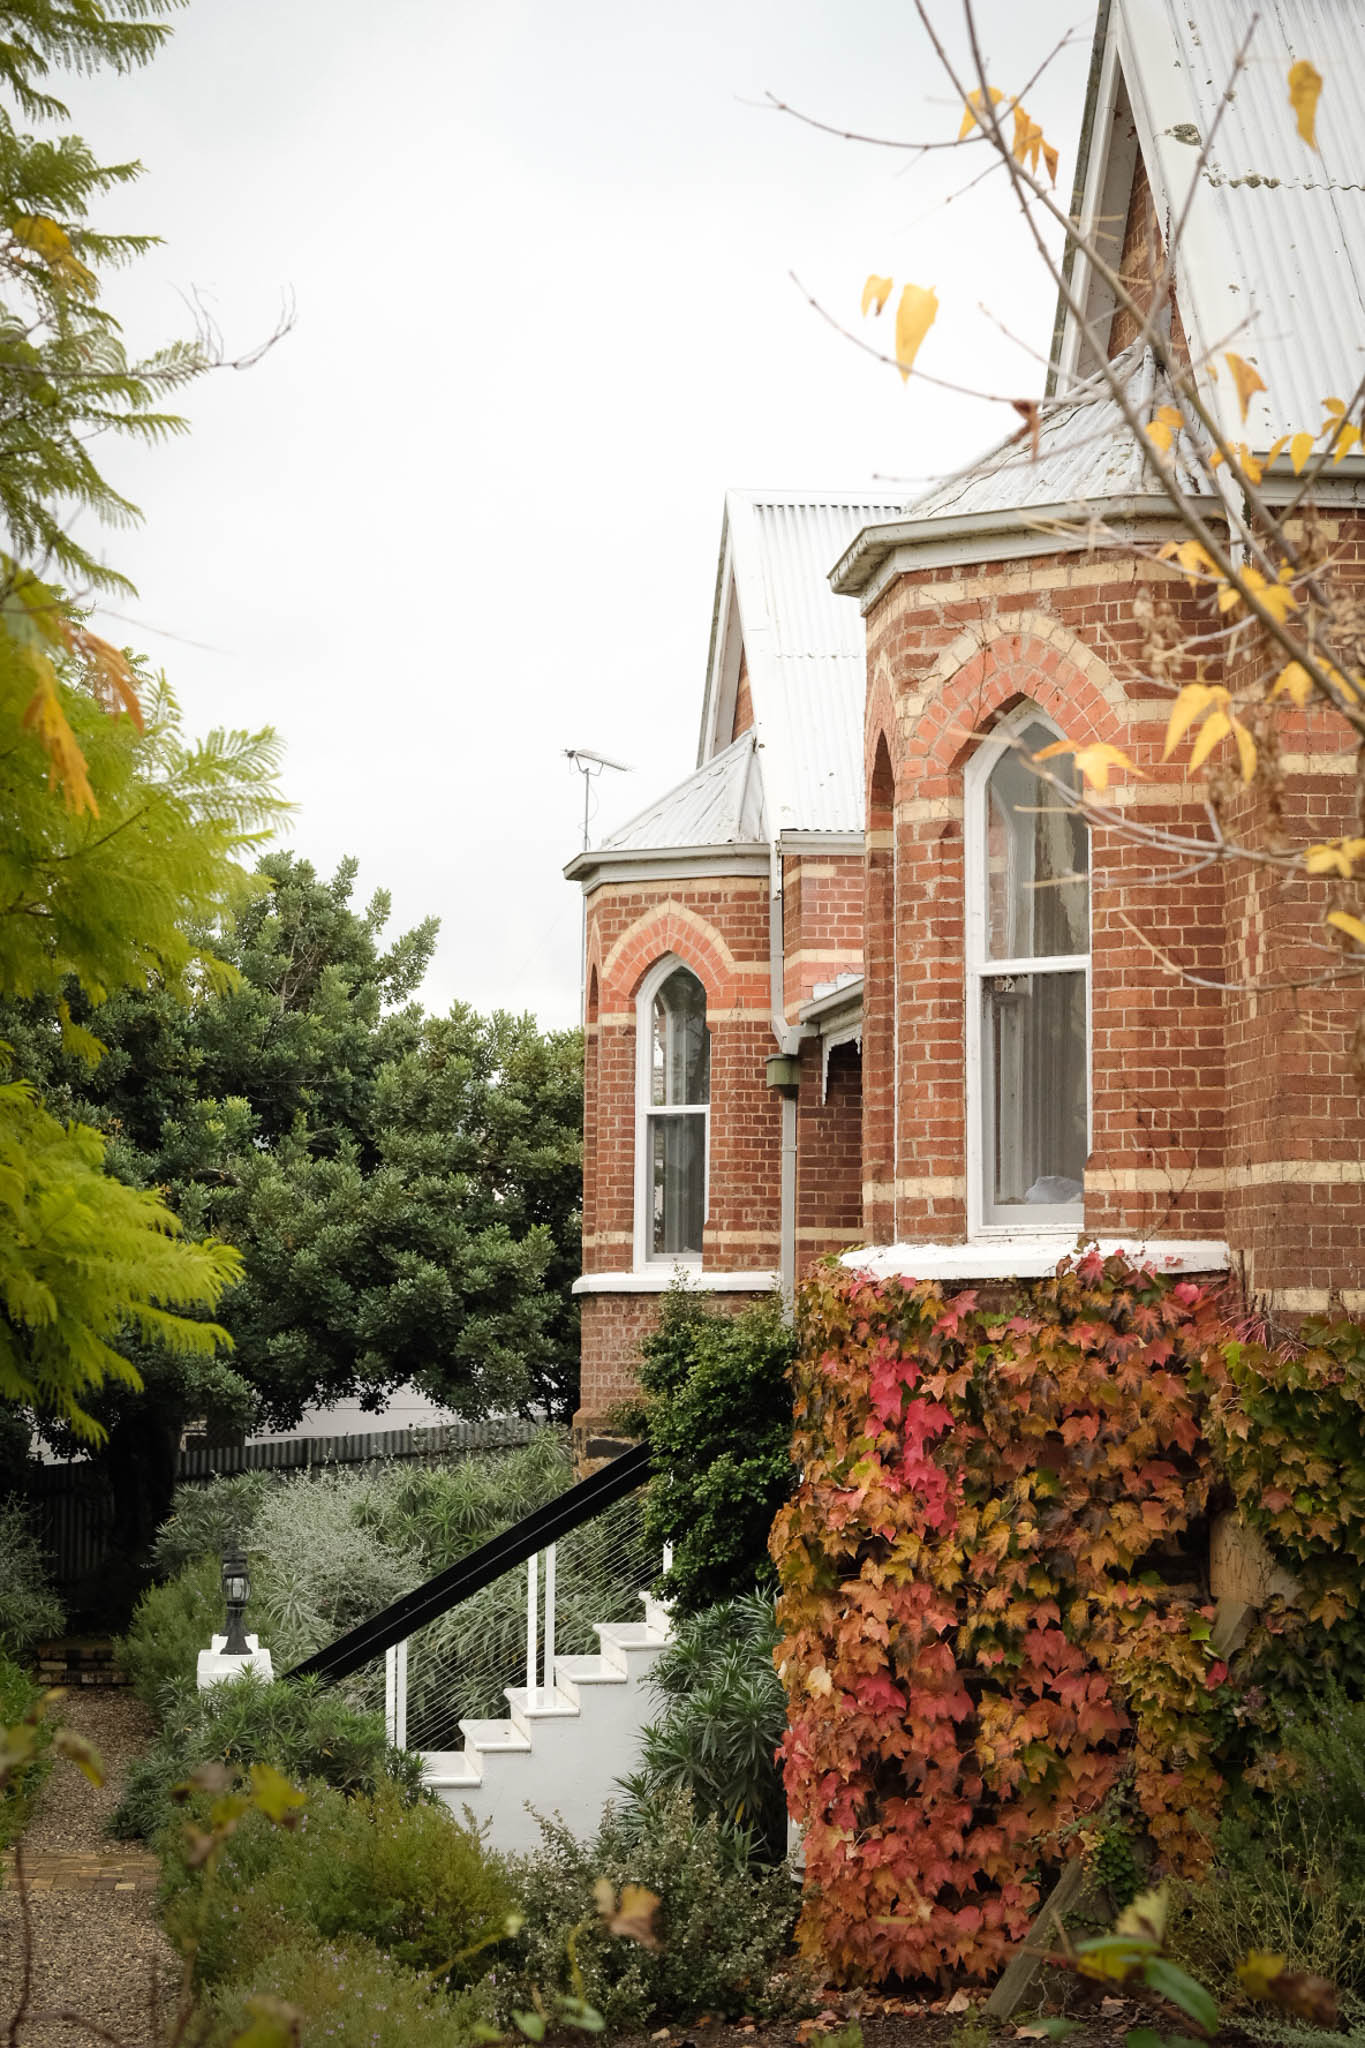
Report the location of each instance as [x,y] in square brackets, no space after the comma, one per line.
[721,803]
[805,650]
[1086,451]
[1271,262]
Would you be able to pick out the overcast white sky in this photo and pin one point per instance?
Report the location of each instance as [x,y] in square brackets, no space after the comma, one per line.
[467,513]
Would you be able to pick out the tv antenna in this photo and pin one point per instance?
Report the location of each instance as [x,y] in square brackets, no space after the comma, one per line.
[590,766]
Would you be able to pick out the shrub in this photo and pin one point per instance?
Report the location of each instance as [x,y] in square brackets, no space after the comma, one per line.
[724,1716]
[1289,1876]
[353,1996]
[723,1931]
[410,1879]
[301,1727]
[171,1624]
[444,1510]
[18,1694]
[317,1568]
[719,1411]
[29,1609]
[203,1518]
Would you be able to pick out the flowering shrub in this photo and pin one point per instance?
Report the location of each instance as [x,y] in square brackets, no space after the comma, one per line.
[988,1600]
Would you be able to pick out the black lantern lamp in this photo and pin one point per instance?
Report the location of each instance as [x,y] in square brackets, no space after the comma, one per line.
[236,1592]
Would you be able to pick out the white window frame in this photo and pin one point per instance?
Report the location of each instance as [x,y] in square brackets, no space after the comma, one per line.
[645,1255]
[1060,1221]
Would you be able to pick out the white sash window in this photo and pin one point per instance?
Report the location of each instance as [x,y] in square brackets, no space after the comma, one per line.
[673,1095]
[1028,988]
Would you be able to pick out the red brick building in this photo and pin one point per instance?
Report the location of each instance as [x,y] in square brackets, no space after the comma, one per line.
[948,1023]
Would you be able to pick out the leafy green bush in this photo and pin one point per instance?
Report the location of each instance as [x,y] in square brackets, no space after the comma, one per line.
[301,1727]
[719,1411]
[351,1993]
[204,1517]
[29,1609]
[444,1510]
[723,1931]
[171,1624]
[724,1714]
[18,1694]
[408,1878]
[317,1568]
[1289,1875]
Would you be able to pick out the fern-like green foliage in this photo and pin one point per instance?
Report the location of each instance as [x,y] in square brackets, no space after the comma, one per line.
[65,375]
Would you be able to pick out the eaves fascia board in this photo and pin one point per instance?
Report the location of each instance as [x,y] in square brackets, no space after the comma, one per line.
[842,1005]
[809,839]
[968,537]
[597,865]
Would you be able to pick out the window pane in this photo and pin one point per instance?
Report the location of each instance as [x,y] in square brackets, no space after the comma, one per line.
[1034,1039]
[677,1184]
[1031,840]
[680,1044]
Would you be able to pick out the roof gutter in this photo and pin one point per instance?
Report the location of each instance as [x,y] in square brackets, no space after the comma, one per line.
[586,863]
[867,553]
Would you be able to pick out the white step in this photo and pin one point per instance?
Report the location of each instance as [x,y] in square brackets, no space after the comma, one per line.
[494,1737]
[620,1638]
[451,1770]
[560,1749]
[573,1674]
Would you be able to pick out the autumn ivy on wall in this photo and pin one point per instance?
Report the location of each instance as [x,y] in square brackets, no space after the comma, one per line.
[991,1598]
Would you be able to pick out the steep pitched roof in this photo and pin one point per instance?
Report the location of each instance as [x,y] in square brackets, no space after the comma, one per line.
[804,649]
[720,803]
[1086,451]
[1271,259]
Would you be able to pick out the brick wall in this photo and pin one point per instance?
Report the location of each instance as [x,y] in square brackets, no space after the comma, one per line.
[744,703]
[719,929]
[822,922]
[951,652]
[1229,1110]
[829,1206]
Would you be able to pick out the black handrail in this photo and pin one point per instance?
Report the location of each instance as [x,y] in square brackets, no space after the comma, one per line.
[535,1532]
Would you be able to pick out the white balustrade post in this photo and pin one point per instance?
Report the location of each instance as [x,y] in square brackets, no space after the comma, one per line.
[549,1665]
[396,1694]
[532,1602]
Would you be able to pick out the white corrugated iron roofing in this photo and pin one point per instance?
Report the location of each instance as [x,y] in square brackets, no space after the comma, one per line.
[805,651]
[720,804]
[1086,451]
[1271,261]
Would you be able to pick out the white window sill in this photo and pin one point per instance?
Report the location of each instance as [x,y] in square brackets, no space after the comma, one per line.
[1031,1258]
[658,1280]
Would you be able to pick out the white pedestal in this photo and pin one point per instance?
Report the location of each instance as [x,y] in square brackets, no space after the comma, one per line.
[215,1664]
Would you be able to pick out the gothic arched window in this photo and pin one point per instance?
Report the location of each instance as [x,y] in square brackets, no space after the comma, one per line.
[673,1094]
[1028,986]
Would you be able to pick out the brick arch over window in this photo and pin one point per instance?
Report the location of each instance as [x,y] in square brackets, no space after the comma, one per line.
[671,927]
[971,685]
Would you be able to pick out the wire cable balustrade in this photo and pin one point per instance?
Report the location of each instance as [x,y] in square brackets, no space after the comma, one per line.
[448,1651]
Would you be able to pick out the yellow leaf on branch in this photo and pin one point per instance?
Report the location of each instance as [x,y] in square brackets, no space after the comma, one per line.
[1194,558]
[914,317]
[51,244]
[1163,426]
[1300,448]
[1347,438]
[1095,761]
[46,719]
[975,103]
[1216,727]
[876,292]
[1295,682]
[1344,922]
[1276,598]
[1029,144]
[1194,702]
[1305,88]
[1246,377]
[1334,857]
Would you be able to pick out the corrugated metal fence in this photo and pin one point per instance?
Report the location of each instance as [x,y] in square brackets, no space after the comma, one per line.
[74,1512]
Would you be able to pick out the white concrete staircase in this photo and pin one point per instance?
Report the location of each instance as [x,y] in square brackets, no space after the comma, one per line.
[560,1751]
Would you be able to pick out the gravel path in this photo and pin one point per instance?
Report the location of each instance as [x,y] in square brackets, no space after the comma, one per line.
[96,1946]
